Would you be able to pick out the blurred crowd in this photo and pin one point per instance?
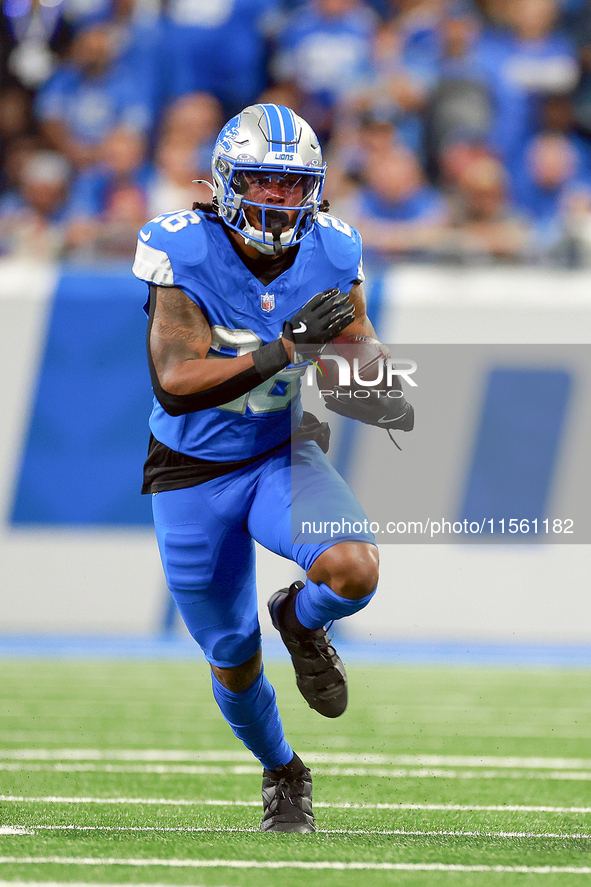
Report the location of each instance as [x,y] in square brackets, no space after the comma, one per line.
[456,131]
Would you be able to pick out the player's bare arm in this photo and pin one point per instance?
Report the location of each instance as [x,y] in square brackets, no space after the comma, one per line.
[180,337]
[362,325]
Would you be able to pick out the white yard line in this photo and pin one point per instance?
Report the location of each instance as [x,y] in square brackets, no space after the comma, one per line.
[295,864]
[171,755]
[412,833]
[75,884]
[186,769]
[15,830]
[339,770]
[135,737]
[208,802]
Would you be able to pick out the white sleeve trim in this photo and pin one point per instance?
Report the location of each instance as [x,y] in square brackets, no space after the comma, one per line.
[152,265]
[360,271]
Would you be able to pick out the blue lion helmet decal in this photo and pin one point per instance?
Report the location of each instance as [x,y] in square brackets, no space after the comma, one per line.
[230,131]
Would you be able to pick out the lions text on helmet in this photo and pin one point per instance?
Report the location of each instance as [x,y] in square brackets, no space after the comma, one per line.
[268,176]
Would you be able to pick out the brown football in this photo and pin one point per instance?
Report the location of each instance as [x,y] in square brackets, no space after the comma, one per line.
[363,355]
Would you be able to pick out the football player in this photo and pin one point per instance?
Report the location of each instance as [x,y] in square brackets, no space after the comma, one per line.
[246,280]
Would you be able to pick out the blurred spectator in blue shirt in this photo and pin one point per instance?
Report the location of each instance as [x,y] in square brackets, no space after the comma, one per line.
[32,217]
[397,213]
[171,184]
[91,96]
[218,46]
[355,139]
[96,196]
[416,24]
[137,33]
[325,51]
[546,191]
[456,154]
[123,163]
[551,169]
[485,225]
[194,119]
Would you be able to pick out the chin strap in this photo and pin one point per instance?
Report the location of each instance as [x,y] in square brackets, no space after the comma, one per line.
[277,220]
[276,231]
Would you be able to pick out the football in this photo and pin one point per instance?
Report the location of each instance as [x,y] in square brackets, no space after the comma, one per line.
[364,356]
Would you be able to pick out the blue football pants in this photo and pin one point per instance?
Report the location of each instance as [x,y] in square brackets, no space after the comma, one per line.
[205,535]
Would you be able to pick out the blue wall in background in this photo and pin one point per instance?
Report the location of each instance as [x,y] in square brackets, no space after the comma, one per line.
[88,433]
[517,445]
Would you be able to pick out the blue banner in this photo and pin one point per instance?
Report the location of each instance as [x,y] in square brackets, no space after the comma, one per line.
[518,443]
[88,434]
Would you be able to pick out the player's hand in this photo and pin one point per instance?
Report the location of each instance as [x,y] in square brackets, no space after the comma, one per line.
[321,319]
[374,408]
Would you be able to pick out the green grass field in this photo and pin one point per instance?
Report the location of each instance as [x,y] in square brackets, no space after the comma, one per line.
[124,772]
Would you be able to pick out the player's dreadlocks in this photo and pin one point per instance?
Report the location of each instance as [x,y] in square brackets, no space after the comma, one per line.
[210,208]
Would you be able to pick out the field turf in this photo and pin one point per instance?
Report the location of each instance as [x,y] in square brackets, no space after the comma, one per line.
[124,772]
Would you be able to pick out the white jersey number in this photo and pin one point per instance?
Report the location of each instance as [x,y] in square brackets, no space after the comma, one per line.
[270,396]
[176,221]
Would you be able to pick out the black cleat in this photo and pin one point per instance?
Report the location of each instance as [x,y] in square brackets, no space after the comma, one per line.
[287,799]
[320,674]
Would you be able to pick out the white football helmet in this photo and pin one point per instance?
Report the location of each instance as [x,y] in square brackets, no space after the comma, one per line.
[267,167]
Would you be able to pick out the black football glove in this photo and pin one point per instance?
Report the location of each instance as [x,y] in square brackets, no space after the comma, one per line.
[321,319]
[374,407]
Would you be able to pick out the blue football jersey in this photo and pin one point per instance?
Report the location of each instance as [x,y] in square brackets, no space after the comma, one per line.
[190,250]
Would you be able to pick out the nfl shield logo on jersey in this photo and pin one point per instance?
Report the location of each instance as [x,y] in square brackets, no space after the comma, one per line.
[268,302]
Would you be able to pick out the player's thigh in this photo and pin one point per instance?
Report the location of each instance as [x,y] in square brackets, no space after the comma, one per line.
[209,565]
[302,506]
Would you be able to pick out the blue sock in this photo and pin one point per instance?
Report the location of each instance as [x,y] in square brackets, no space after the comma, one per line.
[254,717]
[315,605]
